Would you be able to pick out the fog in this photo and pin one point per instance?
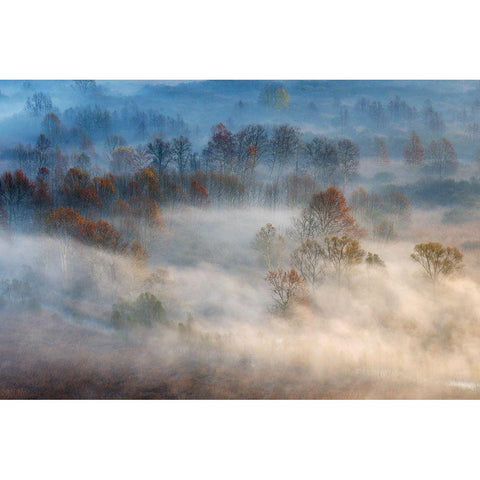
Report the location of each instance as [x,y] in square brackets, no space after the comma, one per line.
[384,335]
[150,233]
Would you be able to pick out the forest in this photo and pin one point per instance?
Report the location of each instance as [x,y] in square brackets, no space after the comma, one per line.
[239,239]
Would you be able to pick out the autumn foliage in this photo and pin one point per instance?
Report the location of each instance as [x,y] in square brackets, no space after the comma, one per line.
[332,214]
[100,234]
[198,193]
[288,287]
[437,261]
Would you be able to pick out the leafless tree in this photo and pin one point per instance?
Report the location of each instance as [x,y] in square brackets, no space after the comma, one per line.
[285,144]
[269,244]
[323,155]
[348,161]
[442,157]
[181,153]
[309,259]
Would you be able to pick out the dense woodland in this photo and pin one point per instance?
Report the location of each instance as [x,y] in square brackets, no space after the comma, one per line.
[240,230]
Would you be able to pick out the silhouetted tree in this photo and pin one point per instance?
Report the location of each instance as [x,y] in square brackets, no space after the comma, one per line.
[181,153]
[323,155]
[348,161]
[442,158]
[220,151]
[285,144]
[16,191]
[38,104]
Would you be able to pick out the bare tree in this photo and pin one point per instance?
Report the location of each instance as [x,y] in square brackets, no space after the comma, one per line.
[250,144]
[126,160]
[85,87]
[442,157]
[285,144]
[348,161]
[53,128]
[323,155]
[160,153]
[220,150]
[181,153]
[309,259]
[287,288]
[114,141]
[304,227]
[38,104]
[269,244]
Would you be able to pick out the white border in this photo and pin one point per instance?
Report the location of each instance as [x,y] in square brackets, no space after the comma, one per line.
[214,39]
[240,439]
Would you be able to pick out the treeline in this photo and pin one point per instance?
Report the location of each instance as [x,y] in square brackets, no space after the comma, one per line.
[439,157]
[102,115]
[382,115]
[443,192]
[278,150]
[97,122]
[273,151]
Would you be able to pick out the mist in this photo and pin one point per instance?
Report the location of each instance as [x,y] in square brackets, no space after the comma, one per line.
[184,239]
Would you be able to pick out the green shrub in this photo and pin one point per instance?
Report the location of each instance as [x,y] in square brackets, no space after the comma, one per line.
[146,310]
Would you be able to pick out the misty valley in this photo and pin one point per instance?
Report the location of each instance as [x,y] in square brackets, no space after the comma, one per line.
[239,239]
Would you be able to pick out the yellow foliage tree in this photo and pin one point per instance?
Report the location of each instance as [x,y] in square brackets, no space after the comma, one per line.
[437,260]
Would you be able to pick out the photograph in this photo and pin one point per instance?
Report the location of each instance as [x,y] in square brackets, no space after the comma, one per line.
[239,240]
[245,239]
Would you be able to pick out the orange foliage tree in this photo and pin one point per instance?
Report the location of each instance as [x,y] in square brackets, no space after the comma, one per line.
[42,198]
[327,214]
[198,194]
[70,224]
[105,190]
[78,190]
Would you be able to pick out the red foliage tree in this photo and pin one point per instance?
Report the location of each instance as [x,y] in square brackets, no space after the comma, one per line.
[71,223]
[198,194]
[147,183]
[332,214]
[105,189]
[78,190]
[220,148]
[42,198]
